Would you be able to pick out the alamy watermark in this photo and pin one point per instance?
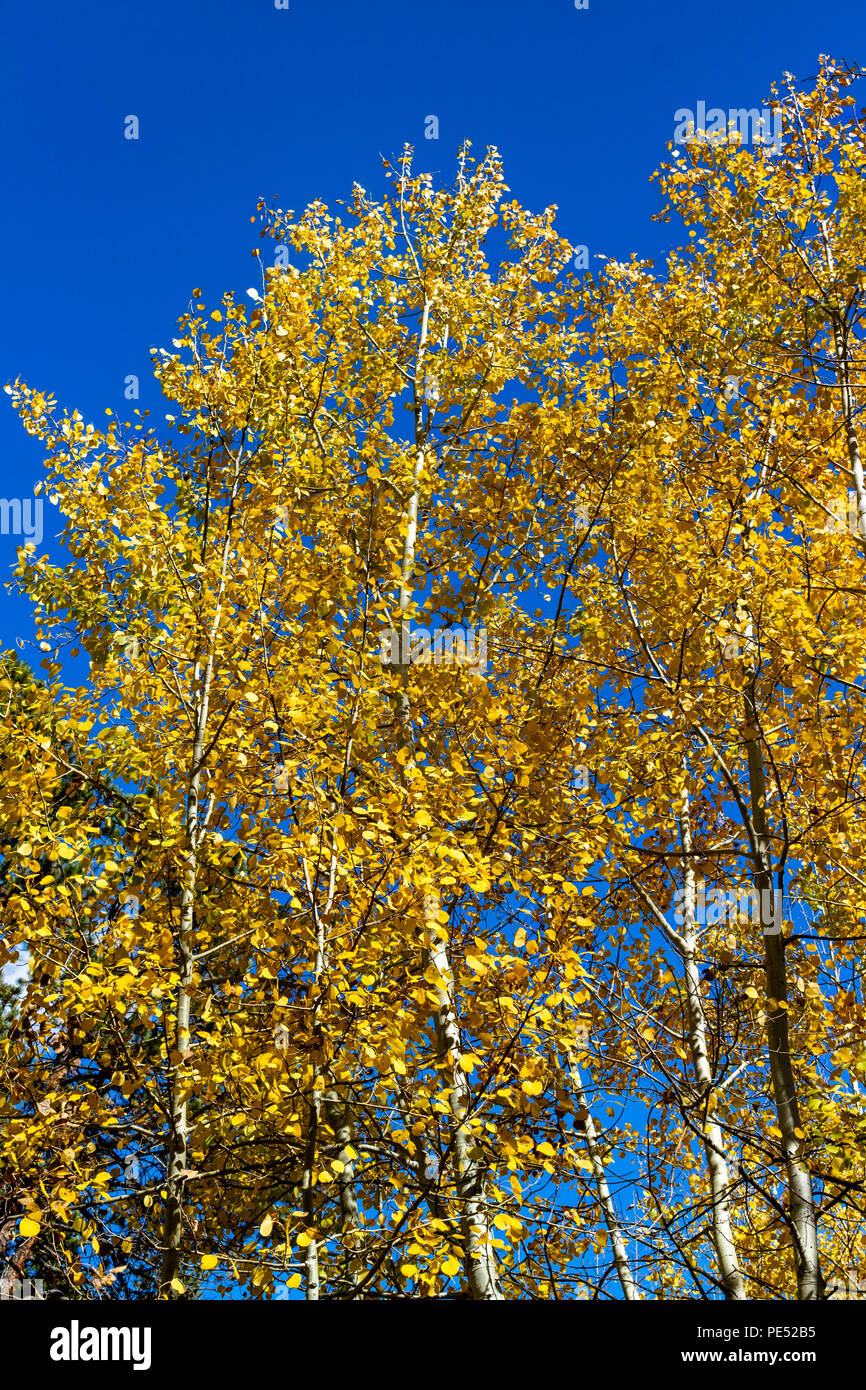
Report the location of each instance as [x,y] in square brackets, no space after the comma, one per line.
[703,127]
[843,517]
[25,515]
[22,1288]
[77,1343]
[849,1287]
[732,904]
[440,646]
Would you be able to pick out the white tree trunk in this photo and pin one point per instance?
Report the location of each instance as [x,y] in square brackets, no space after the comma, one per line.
[478,1254]
[195,826]
[802,1202]
[473,1219]
[611,1219]
[717,1168]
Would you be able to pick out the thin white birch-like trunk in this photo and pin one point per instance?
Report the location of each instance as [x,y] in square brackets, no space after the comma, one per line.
[308,1201]
[478,1254]
[195,826]
[840,350]
[311,1250]
[802,1201]
[843,377]
[337,1115]
[803,1214]
[473,1218]
[717,1168]
[605,1198]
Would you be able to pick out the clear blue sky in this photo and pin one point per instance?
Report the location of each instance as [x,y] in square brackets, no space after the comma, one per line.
[103,238]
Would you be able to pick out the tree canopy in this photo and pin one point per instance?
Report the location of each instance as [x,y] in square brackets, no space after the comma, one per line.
[446,882]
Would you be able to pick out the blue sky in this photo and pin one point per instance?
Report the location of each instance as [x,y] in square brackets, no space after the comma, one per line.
[102,238]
